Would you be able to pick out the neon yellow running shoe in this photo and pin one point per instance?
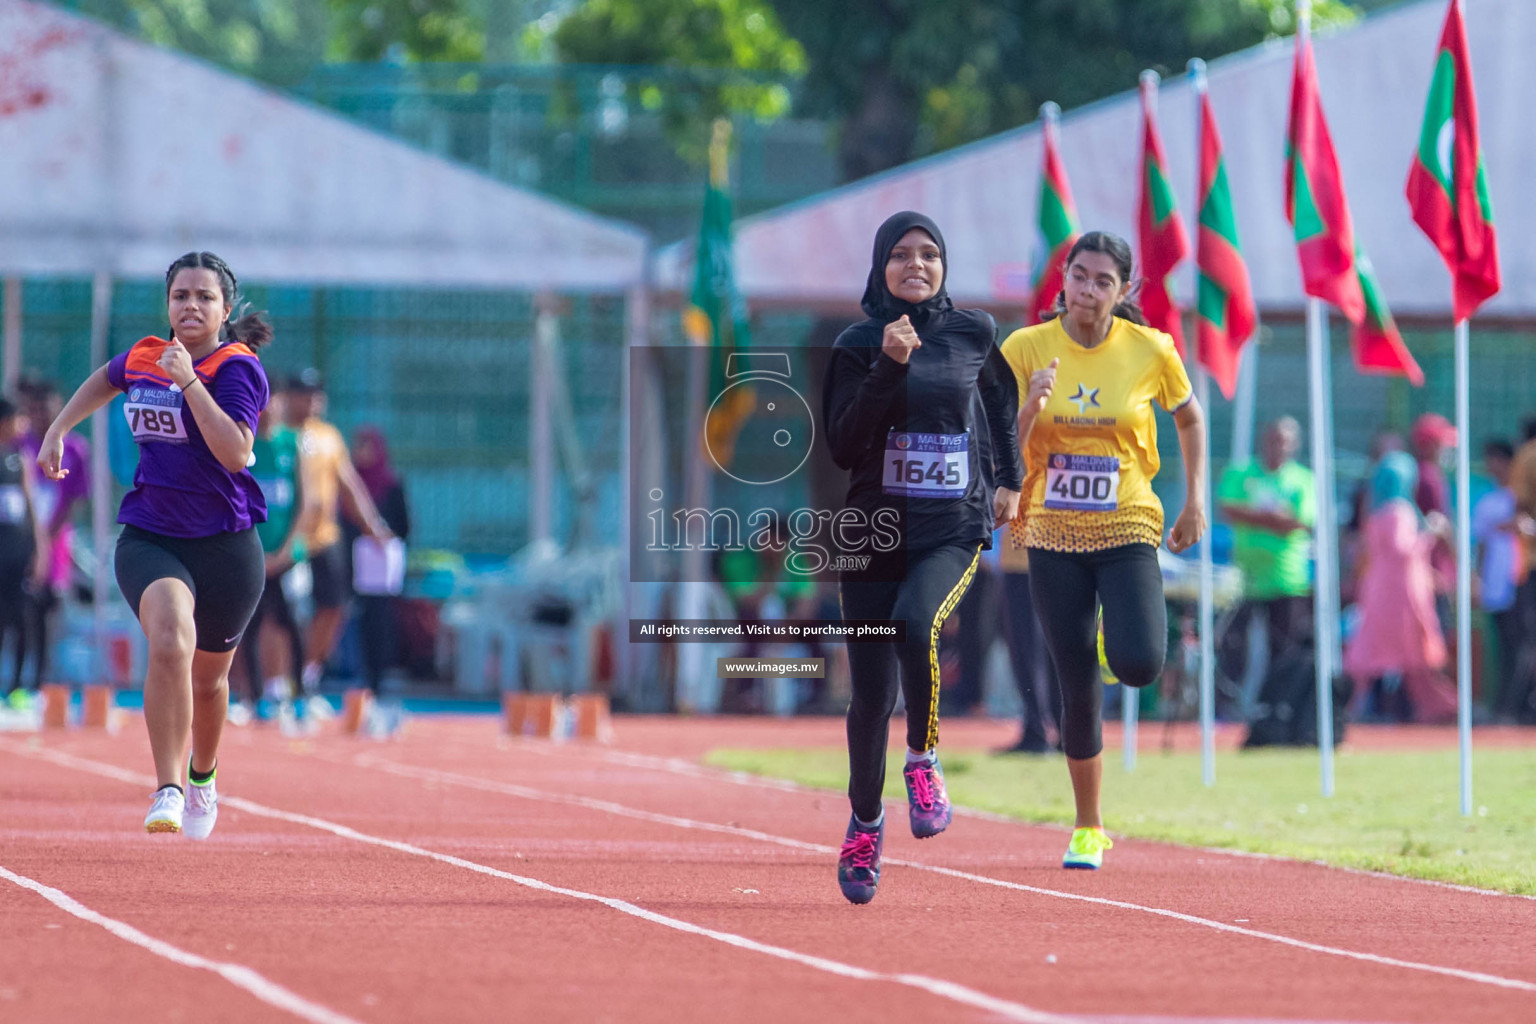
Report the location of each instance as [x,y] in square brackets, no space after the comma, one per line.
[1087,848]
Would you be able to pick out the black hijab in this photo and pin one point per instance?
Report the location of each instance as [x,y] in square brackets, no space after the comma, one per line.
[878,302]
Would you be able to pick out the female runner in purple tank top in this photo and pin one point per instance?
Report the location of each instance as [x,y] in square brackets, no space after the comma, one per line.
[188,559]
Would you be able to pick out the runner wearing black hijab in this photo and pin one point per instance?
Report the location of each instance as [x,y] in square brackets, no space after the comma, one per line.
[920,406]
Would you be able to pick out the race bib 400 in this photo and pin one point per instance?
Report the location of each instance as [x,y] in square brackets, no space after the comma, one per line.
[1082,483]
[154,414]
[927,465]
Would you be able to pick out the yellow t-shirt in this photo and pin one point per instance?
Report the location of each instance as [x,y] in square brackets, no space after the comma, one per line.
[1092,454]
[323,449]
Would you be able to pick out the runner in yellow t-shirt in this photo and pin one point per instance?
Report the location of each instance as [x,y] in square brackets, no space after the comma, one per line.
[329,479]
[1090,519]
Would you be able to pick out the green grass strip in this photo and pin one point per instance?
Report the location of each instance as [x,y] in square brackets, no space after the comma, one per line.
[1393,811]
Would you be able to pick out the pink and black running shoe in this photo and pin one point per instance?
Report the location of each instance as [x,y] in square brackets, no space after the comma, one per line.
[858,865]
[927,799]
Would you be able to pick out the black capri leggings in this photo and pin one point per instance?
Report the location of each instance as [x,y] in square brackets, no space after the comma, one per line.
[920,588]
[1068,590]
[225,573]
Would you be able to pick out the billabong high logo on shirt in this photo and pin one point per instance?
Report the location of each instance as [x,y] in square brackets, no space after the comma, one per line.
[1086,398]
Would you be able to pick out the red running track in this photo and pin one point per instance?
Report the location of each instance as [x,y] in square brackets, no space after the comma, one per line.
[453,874]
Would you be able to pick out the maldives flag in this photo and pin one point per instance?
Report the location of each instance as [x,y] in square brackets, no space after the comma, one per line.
[1159,229]
[1325,236]
[1378,345]
[1224,315]
[1447,188]
[1057,225]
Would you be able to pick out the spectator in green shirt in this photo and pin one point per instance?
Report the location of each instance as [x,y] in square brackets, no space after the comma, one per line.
[1272,506]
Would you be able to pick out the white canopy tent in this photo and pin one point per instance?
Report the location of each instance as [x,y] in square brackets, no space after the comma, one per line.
[116,157]
[1374,78]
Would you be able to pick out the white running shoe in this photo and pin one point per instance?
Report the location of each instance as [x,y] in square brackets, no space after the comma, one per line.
[165,813]
[278,689]
[239,715]
[202,809]
[318,708]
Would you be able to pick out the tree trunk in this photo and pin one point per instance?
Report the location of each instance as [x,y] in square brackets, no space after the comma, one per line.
[881,132]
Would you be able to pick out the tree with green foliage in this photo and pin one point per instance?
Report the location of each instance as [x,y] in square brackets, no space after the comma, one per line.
[279,41]
[908,77]
[726,57]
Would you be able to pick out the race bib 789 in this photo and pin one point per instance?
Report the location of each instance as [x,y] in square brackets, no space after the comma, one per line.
[154,414]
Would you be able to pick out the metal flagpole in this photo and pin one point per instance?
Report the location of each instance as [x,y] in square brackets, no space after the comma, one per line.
[1207,611]
[1322,596]
[1464,565]
[101,480]
[1203,396]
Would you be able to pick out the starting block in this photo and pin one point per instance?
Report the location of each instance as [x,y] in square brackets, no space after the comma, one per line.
[548,716]
[593,721]
[98,708]
[55,705]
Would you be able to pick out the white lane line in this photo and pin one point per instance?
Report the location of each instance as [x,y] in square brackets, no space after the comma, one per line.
[693,770]
[237,975]
[608,807]
[956,993]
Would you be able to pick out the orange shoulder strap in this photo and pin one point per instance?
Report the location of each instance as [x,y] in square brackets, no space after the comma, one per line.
[210,366]
[144,356]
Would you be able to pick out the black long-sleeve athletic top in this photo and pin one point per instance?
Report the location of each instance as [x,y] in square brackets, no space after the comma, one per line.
[878,411]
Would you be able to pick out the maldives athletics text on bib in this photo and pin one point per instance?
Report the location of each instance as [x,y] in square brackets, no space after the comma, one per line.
[926,465]
[154,413]
[1082,483]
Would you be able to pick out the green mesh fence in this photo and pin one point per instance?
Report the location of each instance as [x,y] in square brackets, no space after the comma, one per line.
[443,374]
[586,135]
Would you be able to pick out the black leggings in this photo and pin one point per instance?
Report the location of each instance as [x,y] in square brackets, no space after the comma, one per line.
[920,588]
[1068,590]
[273,603]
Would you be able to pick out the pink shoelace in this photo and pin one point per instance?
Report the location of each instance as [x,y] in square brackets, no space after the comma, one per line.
[859,849]
[924,784]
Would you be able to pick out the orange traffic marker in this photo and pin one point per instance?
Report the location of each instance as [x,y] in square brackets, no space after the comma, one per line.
[354,709]
[592,718]
[97,707]
[55,705]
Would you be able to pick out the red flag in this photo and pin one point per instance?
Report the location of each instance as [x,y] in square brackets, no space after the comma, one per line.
[1057,225]
[1225,315]
[1333,268]
[1447,188]
[1314,195]
[1159,229]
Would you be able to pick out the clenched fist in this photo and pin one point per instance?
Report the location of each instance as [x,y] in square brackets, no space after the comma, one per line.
[1041,384]
[176,361]
[900,340]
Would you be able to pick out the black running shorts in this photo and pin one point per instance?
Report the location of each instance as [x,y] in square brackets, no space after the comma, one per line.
[328,569]
[225,572]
